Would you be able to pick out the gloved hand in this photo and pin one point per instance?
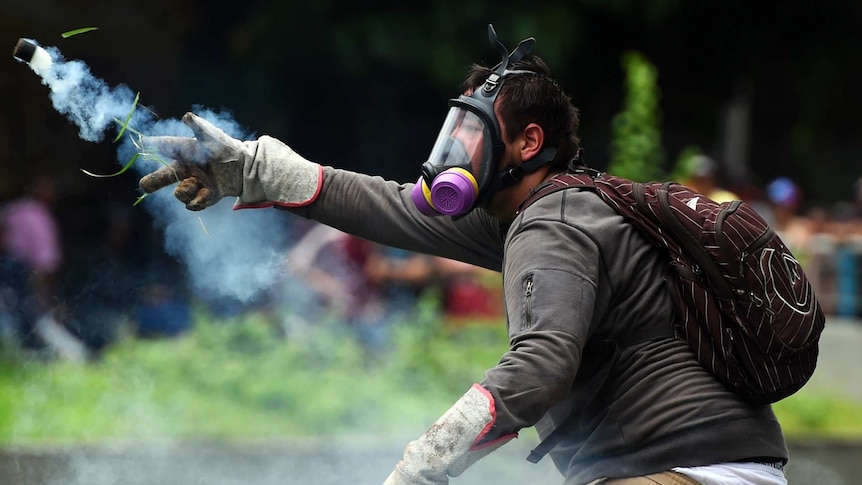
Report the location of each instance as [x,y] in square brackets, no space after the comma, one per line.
[452,444]
[213,165]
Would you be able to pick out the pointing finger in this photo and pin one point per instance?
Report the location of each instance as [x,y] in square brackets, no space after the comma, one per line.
[163,177]
[174,147]
[203,129]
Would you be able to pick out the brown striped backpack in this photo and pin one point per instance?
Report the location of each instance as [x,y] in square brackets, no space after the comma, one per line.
[743,302]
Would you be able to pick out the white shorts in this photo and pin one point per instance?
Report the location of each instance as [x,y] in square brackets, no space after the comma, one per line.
[735,474]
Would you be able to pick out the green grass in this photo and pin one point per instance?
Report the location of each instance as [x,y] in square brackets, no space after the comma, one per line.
[240,380]
[808,414]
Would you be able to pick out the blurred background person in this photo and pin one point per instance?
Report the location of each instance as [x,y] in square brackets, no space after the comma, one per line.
[785,199]
[17,308]
[470,294]
[161,313]
[33,236]
[345,277]
[703,174]
[401,276]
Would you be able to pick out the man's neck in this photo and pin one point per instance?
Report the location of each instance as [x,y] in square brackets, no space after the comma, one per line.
[515,195]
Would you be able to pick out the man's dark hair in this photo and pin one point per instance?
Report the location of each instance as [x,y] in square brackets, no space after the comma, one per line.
[534,97]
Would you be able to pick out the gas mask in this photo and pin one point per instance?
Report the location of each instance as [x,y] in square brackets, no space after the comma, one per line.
[462,171]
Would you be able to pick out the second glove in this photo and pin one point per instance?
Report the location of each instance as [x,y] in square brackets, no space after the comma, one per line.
[452,444]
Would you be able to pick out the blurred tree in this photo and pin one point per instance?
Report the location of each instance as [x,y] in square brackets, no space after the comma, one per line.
[636,151]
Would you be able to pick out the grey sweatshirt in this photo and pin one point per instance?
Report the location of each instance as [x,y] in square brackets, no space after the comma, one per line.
[575,274]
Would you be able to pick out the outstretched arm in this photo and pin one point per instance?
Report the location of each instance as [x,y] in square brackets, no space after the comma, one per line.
[267,173]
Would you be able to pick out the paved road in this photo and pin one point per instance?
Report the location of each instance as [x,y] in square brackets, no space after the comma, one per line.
[839,366]
[314,463]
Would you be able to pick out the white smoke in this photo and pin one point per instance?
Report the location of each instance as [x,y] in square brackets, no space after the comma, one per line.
[86,100]
[227,255]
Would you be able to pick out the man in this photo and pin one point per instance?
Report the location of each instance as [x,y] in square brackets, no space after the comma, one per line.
[18,302]
[33,236]
[578,281]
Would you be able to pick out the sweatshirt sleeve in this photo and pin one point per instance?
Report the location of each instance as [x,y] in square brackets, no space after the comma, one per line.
[382,211]
[551,276]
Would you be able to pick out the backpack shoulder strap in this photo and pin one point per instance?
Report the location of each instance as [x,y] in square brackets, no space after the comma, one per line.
[583,178]
[667,213]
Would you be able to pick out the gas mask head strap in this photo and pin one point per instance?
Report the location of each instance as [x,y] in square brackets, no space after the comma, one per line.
[508,178]
[490,90]
[482,101]
[512,176]
[524,47]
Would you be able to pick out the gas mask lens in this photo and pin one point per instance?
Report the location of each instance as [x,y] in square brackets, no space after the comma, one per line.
[452,175]
[460,142]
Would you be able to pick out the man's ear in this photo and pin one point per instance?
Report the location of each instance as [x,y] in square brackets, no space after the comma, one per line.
[533,139]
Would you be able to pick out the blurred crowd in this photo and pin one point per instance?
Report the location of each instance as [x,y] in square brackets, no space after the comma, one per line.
[69,290]
[371,287]
[825,239]
[74,280]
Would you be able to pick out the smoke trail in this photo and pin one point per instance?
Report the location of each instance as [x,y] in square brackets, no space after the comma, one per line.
[226,255]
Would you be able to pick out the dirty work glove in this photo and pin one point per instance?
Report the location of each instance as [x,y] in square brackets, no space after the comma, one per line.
[452,444]
[213,165]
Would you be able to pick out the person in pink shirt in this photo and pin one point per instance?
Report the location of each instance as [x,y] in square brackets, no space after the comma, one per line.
[32,234]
